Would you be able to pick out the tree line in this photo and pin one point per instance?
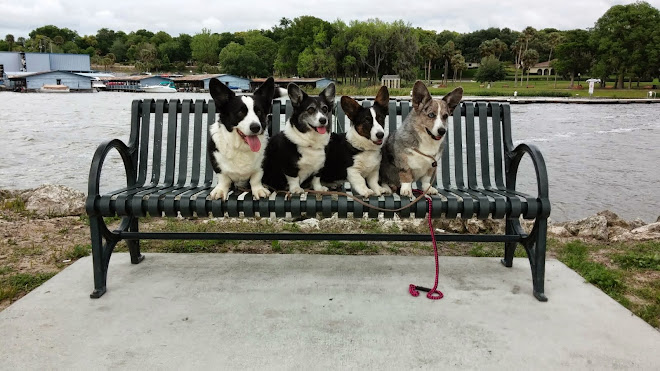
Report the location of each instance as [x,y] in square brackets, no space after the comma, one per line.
[624,42]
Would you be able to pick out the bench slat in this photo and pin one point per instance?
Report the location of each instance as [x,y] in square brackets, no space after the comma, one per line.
[497,144]
[144,141]
[483,144]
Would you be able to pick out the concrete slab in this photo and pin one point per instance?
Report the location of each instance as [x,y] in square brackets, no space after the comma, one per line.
[185,311]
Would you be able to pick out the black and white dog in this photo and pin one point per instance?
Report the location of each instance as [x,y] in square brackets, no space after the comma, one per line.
[237,140]
[297,153]
[355,155]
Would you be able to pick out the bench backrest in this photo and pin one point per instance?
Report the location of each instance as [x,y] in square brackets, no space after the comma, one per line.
[168,139]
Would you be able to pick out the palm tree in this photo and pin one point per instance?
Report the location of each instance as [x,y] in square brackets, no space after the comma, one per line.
[10,40]
[554,39]
[530,58]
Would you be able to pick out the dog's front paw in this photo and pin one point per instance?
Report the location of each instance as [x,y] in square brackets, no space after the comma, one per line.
[260,192]
[321,188]
[367,193]
[432,191]
[406,190]
[296,190]
[382,190]
[219,193]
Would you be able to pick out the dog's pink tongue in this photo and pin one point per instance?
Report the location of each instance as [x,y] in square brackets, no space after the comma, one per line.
[321,129]
[254,143]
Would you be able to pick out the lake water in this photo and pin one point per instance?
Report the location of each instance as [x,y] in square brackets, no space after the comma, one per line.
[598,156]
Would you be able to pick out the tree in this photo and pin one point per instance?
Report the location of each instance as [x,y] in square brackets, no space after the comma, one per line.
[119,49]
[447,51]
[204,46]
[146,57]
[428,50]
[554,39]
[458,64]
[105,38]
[529,59]
[262,46]
[574,55]
[237,60]
[626,37]
[490,70]
[405,50]
[9,39]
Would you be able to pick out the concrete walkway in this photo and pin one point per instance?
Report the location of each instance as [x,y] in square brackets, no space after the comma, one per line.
[223,311]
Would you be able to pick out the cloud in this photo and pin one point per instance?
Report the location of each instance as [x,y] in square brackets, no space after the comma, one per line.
[86,17]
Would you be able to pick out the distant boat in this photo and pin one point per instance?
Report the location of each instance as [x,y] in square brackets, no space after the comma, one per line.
[164,87]
[98,84]
[54,89]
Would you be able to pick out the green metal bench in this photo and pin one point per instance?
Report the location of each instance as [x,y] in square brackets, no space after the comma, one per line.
[168,174]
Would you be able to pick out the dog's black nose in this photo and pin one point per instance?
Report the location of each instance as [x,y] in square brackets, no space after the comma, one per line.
[254,127]
[441,131]
[380,135]
[323,120]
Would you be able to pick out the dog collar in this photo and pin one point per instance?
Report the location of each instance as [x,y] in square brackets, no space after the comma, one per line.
[434,163]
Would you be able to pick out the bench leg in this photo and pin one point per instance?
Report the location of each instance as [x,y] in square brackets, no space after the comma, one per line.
[101,251]
[134,245]
[535,248]
[509,247]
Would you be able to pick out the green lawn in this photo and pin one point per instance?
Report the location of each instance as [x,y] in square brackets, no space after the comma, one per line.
[538,87]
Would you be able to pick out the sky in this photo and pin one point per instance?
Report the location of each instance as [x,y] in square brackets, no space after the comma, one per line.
[19,17]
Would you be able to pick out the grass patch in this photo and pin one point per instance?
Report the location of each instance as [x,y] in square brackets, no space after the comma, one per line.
[638,261]
[493,250]
[16,205]
[78,251]
[276,246]
[576,256]
[16,285]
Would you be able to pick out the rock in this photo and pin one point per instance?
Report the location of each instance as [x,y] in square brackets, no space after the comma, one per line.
[558,231]
[309,224]
[638,222]
[613,219]
[496,226]
[474,226]
[456,225]
[657,220]
[629,236]
[649,228]
[55,200]
[591,227]
[617,231]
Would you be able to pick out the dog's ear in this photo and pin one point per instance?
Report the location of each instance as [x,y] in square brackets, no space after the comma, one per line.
[350,106]
[329,94]
[420,96]
[220,92]
[382,99]
[453,98]
[267,89]
[296,94]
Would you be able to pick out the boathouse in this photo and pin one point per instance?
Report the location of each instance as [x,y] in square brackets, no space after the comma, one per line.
[33,81]
[132,83]
[197,83]
[20,65]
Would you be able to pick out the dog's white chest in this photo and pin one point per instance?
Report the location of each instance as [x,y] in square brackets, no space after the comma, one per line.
[311,161]
[366,162]
[233,155]
[421,164]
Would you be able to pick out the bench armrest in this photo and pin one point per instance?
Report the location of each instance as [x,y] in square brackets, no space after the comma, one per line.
[97,163]
[513,161]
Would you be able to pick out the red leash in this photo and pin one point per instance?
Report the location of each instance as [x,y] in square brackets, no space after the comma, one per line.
[434,293]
